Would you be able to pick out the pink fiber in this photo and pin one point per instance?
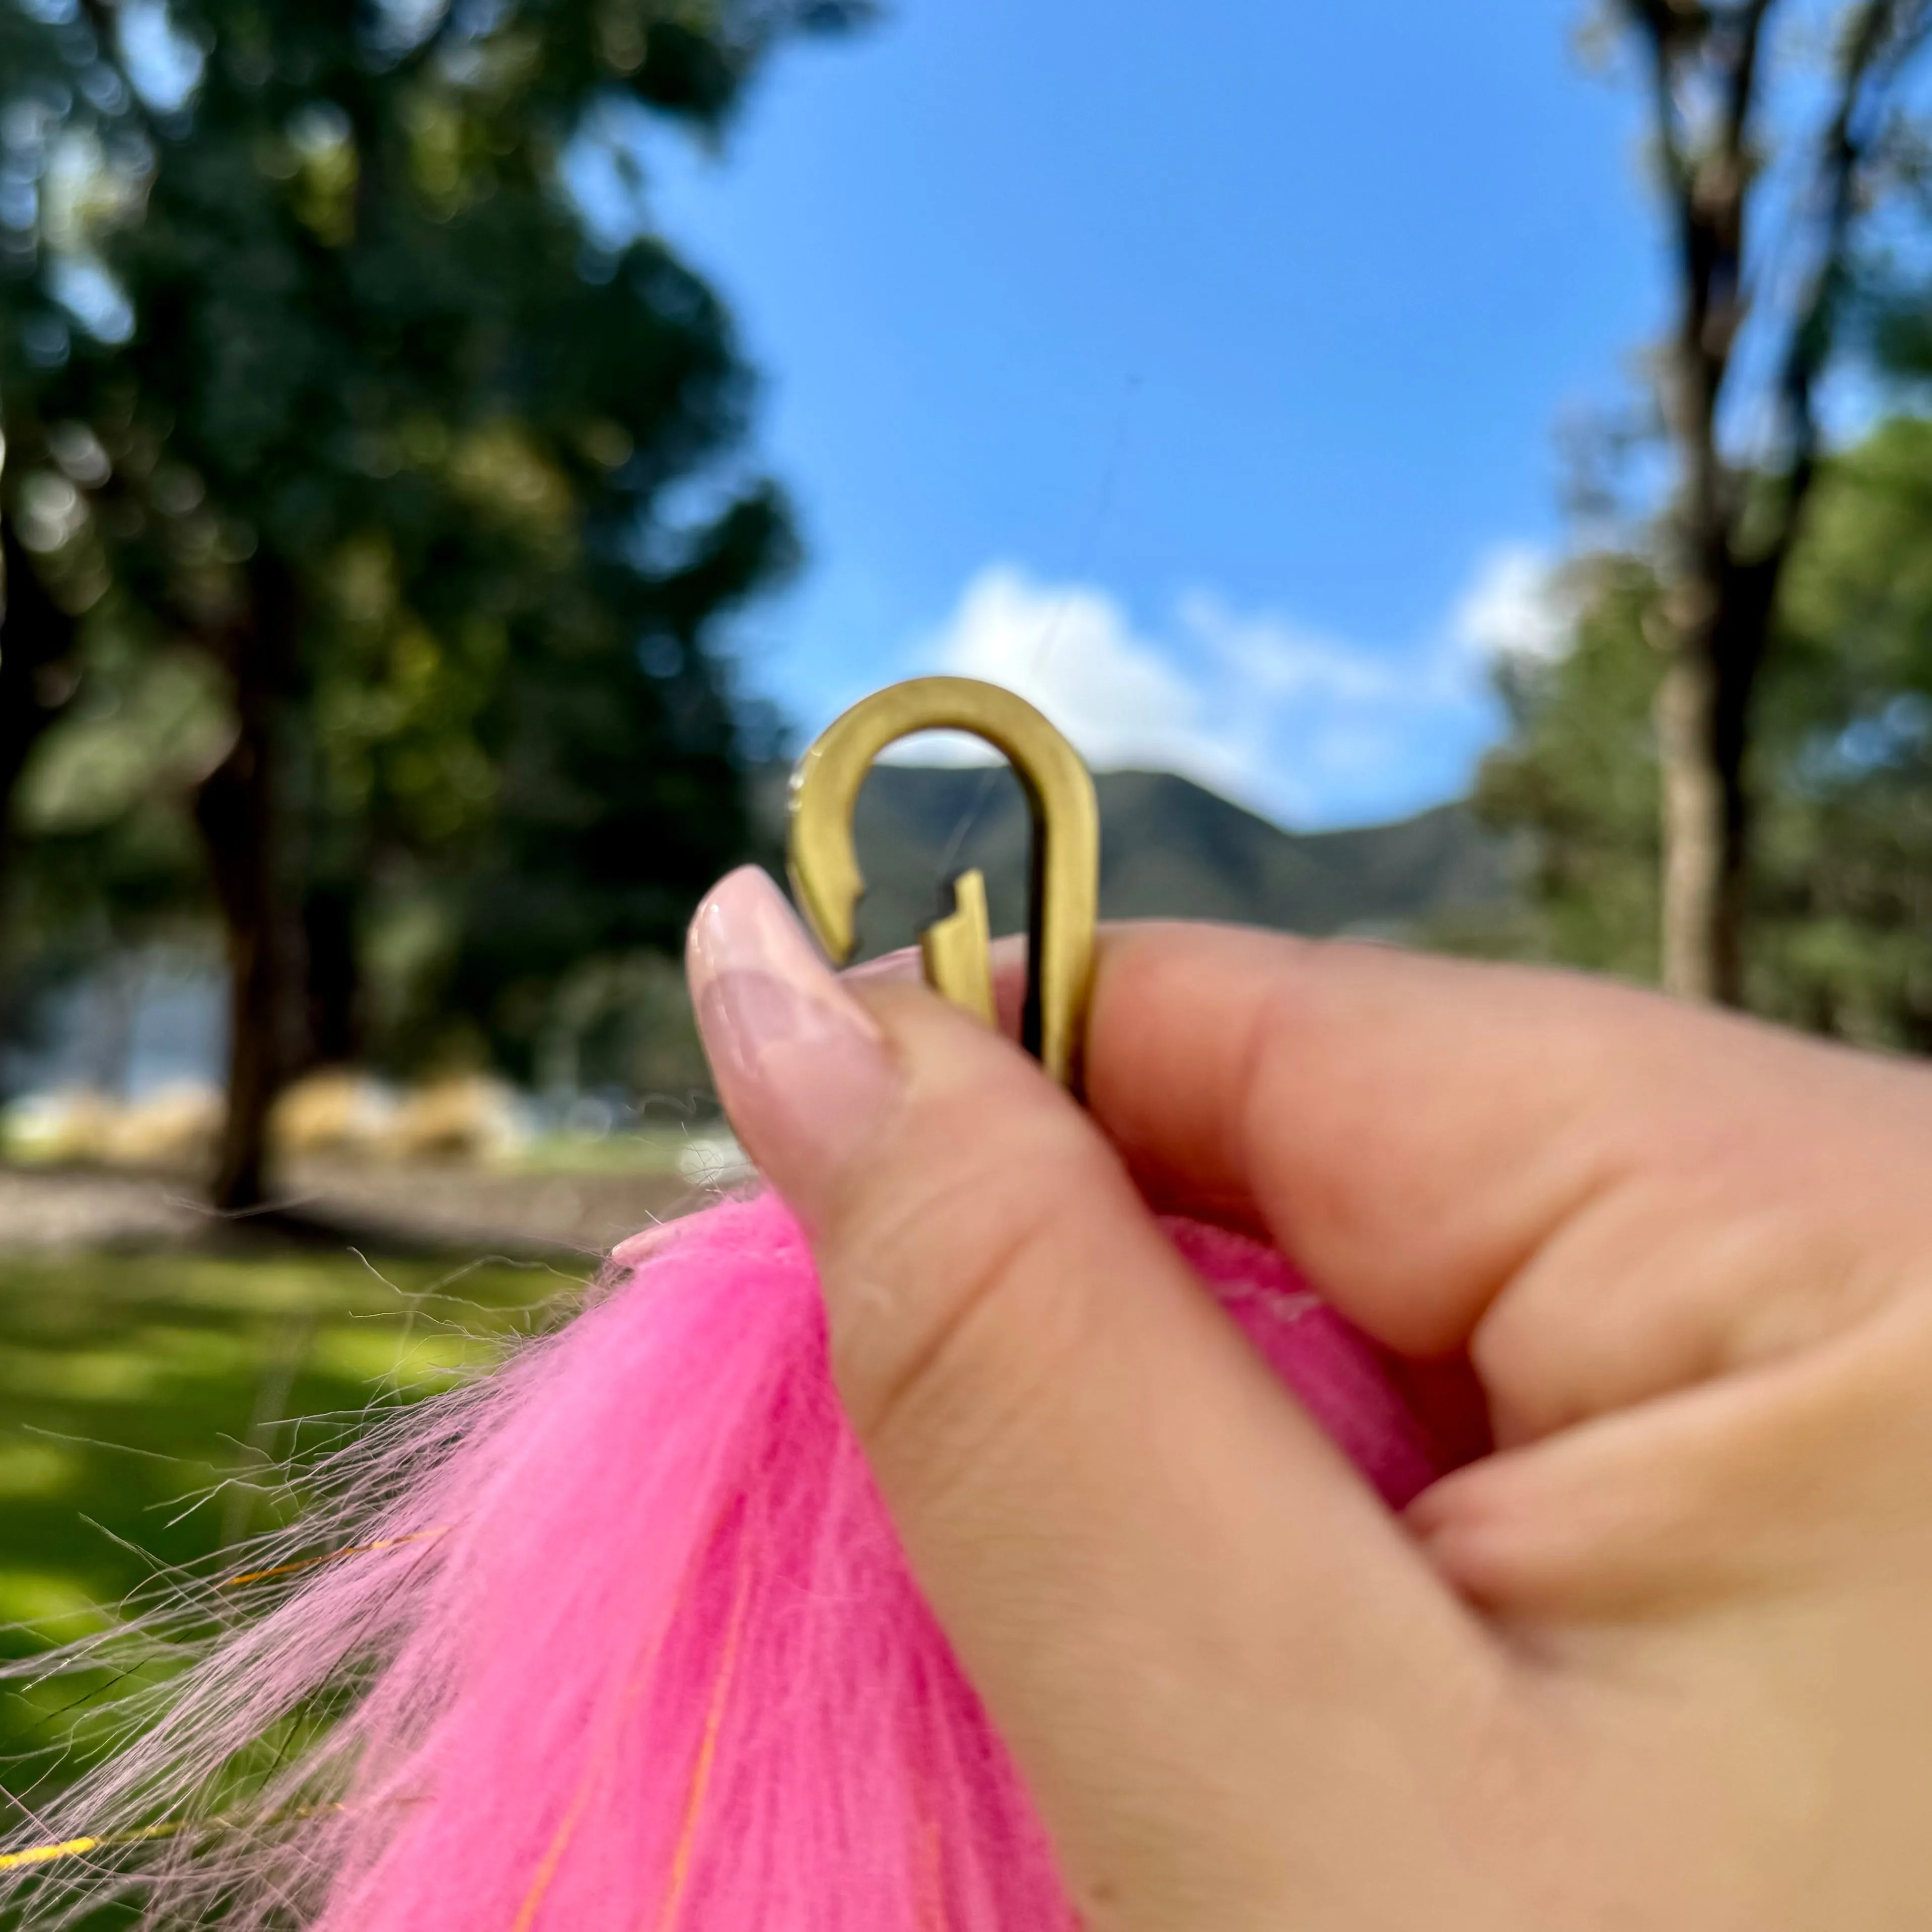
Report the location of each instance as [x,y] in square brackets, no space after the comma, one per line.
[657,1664]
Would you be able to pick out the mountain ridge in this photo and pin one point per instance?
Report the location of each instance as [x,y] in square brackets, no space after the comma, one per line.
[1169,848]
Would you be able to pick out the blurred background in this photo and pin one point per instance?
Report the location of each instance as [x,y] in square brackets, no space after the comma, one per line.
[1462,476]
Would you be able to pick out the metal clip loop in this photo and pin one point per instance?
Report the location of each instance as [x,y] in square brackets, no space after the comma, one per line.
[1063,901]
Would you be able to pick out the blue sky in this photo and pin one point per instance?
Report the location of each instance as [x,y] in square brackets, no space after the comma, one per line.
[1197,371]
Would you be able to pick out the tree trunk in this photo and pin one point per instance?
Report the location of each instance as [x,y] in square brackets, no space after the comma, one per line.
[1720,638]
[1728,560]
[334,987]
[238,809]
[1693,820]
[37,677]
[1699,710]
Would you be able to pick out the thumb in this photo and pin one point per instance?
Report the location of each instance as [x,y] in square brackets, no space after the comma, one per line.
[1153,1565]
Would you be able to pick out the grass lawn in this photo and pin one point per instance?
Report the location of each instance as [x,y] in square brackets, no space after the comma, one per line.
[145,1400]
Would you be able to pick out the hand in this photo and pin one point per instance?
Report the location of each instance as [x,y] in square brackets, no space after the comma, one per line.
[1662,1660]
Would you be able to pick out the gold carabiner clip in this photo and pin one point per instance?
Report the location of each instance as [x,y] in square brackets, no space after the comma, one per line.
[1063,904]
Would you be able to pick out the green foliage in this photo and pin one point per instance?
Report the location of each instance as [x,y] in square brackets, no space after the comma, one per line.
[1846,943]
[105,860]
[1841,937]
[1578,774]
[320,373]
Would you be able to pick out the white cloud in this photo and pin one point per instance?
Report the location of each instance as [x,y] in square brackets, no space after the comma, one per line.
[1515,606]
[1272,658]
[1071,650]
[1307,727]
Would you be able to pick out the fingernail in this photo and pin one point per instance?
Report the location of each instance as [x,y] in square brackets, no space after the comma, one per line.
[802,1069]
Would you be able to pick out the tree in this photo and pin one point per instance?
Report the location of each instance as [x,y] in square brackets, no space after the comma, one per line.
[1575,780]
[1840,900]
[1745,426]
[39,666]
[1846,900]
[392,440]
[39,669]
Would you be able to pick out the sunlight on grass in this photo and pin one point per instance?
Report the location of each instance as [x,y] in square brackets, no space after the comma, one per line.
[419,1364]
[54,1607]
[36,1469]
[146,1402]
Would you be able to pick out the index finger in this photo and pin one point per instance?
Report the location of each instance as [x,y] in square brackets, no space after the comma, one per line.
[1411,1129]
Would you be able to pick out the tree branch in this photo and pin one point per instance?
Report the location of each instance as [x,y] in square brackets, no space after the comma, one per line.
[1749,26]
[1883,37]
[1663,99]
[1707,234]
[1667,19]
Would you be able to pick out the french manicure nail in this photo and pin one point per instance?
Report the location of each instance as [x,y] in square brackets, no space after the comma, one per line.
[802,1069]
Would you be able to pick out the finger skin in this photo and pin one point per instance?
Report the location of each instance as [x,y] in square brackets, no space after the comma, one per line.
[1471,1157]
[1071,1437]
[1658,1663]
[1690,1258]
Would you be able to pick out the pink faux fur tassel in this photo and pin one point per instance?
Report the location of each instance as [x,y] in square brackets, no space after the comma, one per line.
[637,1650]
